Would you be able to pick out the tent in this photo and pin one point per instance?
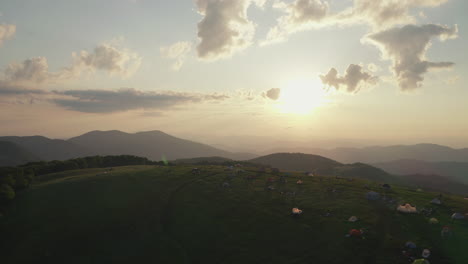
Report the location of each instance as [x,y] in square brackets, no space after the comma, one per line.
[353,219]
[421,261]
[296,211]
[299,182]
[372,196]
[458,216]
[433,221]
[407,208]
[436,201]
[426,253]
[446,231]
[355,232]
[410,244]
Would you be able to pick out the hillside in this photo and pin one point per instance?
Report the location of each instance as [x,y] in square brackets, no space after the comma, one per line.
[208,160]
[12,154]
[454,171]
[151,214]
[48,149]
[151,144]
[299,162]
[324,166]
[434,183]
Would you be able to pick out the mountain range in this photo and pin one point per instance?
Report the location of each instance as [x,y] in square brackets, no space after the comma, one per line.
[322,166]
[154,145]
[457,171]
[377,154]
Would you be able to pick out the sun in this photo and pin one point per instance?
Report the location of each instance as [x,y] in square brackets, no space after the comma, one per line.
[301,97]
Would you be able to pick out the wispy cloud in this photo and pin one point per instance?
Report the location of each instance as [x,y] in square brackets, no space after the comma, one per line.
[178,52]
[7,31]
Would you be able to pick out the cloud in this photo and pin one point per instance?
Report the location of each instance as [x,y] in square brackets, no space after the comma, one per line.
[406,48]
[108,101]
[299,15]
[225,27]
[7,89]
[108,58]
[178,52]
[273,94]
[33,70]
[6,32]
[105,57]
[353,80]
[385,13]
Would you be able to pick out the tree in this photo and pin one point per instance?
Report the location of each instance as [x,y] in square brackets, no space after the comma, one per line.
[6,193]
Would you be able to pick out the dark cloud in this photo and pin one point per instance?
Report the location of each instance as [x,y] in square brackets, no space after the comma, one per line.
[273,94]
[7,89]
[353,79]
[105,101]
[406,47]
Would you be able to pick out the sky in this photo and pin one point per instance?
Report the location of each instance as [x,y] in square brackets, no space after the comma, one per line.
[245,75]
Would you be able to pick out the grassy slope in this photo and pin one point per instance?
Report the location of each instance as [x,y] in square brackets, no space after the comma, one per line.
[148,214]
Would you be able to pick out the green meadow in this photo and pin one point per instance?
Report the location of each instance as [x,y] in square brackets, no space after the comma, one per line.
[158,214]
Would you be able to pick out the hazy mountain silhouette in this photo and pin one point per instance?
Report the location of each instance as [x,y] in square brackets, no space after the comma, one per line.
[152,144]
[48,149]
[455,171]
[12,154]
[376,154]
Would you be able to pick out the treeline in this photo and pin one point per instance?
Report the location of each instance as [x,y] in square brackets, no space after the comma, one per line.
[13,179]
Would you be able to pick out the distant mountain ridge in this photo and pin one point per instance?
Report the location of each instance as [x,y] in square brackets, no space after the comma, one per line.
[377,154]
[328,167]
[323,166]
[154,145]
[11,154]
[457,171]
[48,149]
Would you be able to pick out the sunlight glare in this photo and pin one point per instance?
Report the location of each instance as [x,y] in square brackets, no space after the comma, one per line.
[302,96]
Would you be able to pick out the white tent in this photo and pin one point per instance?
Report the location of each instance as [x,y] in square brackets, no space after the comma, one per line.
[458,216]
[296,211]
[407,208]
[353,219]
[426,253]
[436,201]
[433,221]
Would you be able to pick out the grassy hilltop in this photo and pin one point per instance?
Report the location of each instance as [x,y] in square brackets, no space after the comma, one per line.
[155,214]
